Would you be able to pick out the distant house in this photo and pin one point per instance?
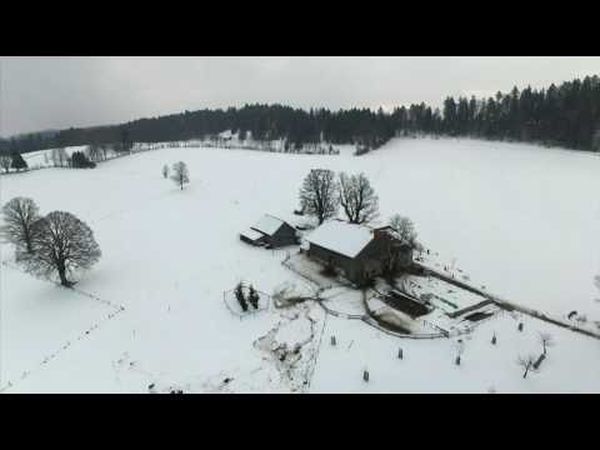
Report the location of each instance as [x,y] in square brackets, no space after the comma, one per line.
[358,251]
[270,231]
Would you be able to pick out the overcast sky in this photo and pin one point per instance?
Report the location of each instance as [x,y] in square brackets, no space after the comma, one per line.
[49,93]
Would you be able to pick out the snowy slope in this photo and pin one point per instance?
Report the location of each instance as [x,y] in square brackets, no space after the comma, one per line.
[520,219]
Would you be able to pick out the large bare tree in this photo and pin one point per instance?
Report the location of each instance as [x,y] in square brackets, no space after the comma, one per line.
[358,198]
[20,214]
[61,245]
[180,174]
[318,195]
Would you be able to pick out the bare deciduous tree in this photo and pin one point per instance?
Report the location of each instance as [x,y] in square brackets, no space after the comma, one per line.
[20,214]
[165,171]
[180,174]
[94,153]
[405,230]
[358,198]
[526,362]
[61,245]
[5,162]
[318,195]
[104,150]
[59,157]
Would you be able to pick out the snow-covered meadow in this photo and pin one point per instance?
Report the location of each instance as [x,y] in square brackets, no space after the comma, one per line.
[519,219]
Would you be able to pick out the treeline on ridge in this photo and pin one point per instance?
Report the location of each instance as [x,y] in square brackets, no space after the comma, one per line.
[567,115]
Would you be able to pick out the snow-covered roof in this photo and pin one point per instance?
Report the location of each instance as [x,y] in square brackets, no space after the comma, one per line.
[268,224]
[251,234]
[341,237]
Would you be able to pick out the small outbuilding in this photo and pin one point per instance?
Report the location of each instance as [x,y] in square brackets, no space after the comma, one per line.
[270,232]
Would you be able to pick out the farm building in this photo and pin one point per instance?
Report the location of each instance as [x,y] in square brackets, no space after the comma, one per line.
[358,251]
[271,232]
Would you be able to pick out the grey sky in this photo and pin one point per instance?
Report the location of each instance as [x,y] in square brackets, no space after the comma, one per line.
[45,93]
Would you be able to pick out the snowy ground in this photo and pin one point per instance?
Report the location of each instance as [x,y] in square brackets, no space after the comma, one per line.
[429,365]
[520,219]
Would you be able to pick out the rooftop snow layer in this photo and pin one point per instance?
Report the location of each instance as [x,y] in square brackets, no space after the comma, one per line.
[268,224]
[251,234]
[341,237]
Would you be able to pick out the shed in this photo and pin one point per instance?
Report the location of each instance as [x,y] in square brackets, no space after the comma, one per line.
[271,232]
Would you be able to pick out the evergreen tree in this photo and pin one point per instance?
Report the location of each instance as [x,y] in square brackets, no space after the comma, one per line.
[253,297]
[18,162]
[241,298]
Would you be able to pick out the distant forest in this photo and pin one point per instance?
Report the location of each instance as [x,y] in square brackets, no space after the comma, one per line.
[567,115]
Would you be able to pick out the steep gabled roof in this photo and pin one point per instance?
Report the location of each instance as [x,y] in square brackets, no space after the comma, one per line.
[341,237]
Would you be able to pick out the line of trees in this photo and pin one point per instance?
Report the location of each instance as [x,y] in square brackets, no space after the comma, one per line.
[321,195]
[567,115]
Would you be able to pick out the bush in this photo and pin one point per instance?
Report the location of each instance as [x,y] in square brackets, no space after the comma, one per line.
[80,161]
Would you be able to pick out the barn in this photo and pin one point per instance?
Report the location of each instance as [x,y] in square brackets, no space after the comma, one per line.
[271,232]
[359,252]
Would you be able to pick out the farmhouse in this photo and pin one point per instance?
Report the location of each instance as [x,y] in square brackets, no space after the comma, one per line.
[271,232]
[358,251]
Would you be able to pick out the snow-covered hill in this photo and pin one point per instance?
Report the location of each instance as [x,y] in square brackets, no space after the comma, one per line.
[519,219]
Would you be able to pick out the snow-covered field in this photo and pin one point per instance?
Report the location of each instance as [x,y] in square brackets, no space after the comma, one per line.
[519,219]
